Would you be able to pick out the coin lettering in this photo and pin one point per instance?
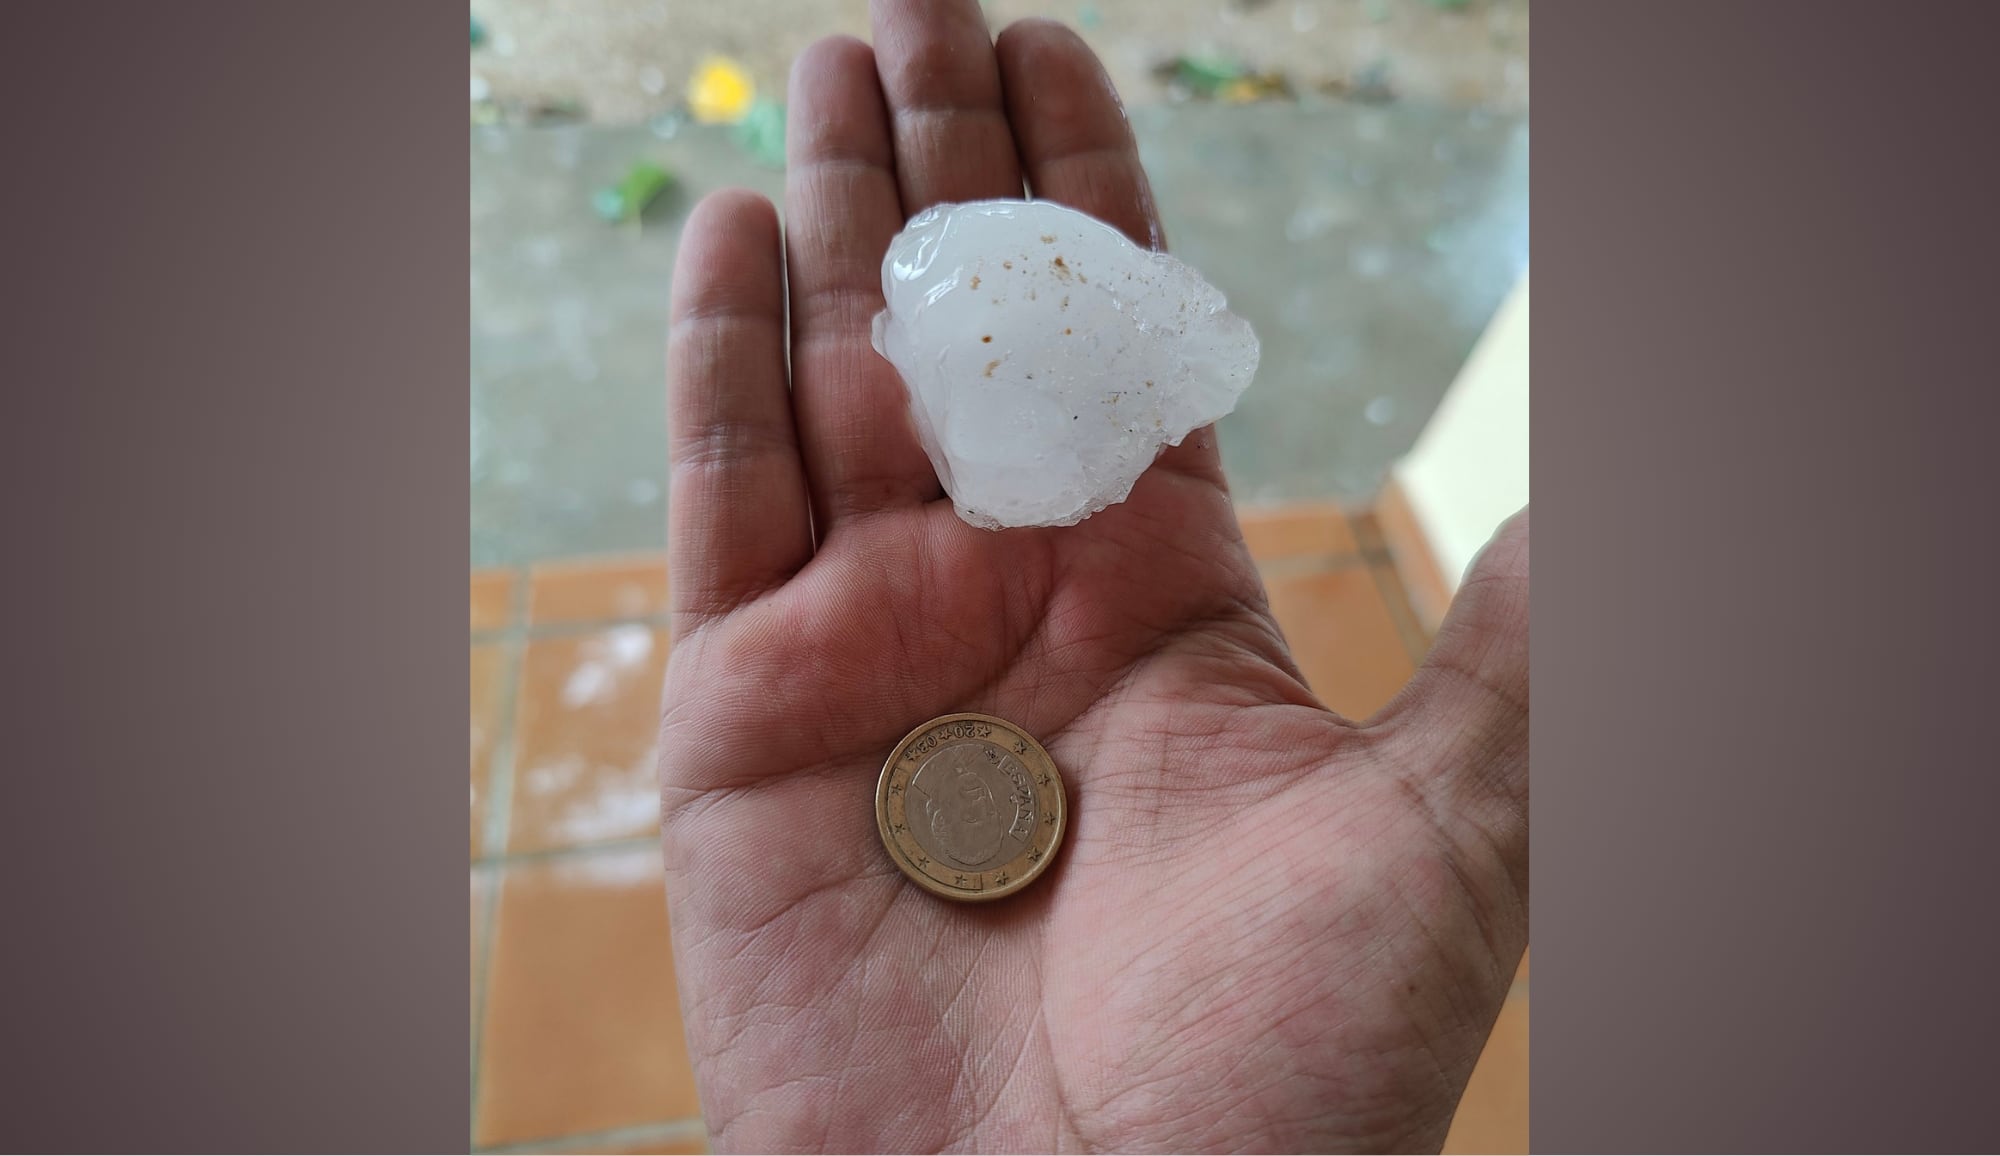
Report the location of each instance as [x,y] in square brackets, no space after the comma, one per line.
[971,799]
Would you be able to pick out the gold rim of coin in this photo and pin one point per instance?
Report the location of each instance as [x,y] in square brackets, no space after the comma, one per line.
[988,803]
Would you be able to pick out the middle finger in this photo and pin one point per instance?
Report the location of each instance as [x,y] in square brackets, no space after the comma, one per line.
[949,116]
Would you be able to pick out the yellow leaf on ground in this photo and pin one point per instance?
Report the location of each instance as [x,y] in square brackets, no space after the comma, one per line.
[720,92]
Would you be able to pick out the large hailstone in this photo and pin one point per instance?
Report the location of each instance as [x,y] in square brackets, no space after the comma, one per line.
[1049,359]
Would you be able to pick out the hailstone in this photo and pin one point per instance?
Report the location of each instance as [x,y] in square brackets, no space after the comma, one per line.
[1048,359]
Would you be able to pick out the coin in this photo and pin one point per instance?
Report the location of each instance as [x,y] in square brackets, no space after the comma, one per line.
[971,807]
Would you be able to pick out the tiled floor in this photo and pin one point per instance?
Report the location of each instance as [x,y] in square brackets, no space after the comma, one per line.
[576,1030]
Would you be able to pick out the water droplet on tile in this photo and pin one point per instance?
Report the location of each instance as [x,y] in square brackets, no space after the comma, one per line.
[1380,411]
[553,778]
[620,805]
[628,645]
[633,869]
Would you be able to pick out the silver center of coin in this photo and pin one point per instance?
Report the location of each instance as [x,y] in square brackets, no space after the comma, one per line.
[968,801]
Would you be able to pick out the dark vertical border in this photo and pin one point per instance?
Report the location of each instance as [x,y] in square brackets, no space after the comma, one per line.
[234,486]
[1765,785]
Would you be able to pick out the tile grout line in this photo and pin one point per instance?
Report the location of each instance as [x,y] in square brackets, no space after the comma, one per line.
[568,851]
[499,798]
[500,792]
[1389,583]
[490,906]
[690,1128]
[569,628]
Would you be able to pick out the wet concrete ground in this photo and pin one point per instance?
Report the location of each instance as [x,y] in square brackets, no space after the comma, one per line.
[626,61]
[1368,245]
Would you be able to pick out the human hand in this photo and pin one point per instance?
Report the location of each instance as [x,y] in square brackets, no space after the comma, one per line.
[1269,928]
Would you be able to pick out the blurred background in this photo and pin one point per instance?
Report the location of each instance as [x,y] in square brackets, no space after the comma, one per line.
[1352,173]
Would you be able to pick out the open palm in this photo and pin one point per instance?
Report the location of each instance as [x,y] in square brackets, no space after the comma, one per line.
[1269,927]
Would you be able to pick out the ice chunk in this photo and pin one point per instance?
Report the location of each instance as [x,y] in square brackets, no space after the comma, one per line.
[1048,358]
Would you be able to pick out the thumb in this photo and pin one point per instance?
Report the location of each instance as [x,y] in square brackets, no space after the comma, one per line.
[1458,733]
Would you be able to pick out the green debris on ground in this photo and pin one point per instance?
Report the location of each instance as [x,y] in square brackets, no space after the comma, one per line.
[761,132]
[627,200]
[532,113]
[1223,79]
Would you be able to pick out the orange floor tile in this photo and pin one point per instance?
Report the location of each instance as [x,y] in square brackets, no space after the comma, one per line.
[598,590]
[588,708]
[1493,1115]
[576,1019]
[582,1026]
[1403,539]
[492,598]
[488,683]
[1343,636]
[1278,533]
[693,1147]
[480,889]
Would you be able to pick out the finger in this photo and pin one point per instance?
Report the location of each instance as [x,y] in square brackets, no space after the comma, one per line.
[1075,142]
[1460,729]
[861,452]
[1077,148]
[737,521]
[952,139]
